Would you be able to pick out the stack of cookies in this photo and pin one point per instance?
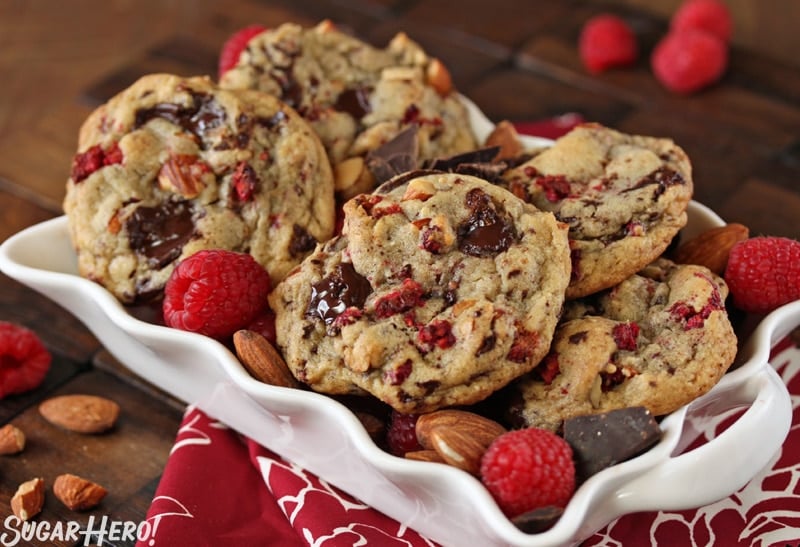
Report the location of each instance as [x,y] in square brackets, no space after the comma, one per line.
[410,261]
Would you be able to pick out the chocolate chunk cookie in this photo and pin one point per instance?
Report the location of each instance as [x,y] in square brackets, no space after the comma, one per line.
[623,196]
[356,96]
[173,165]
[659,339]
[441,289]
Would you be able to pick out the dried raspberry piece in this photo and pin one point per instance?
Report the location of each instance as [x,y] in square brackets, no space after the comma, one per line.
[215,292]
[24,361]
[625,335]
[527,469]
[402,434]
[244,181]
[548,368]
[607,41]
[233,47]
[709,15]
[408,296]
[689,60]
[437,333]
[92,159]
[398,375]
[764,273]
[556,187]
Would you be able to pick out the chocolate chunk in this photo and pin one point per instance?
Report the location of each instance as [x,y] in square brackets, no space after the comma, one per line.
[204,114]
[396,156]
[602,440]
[538,520]
[342,289]
[302,242]
[486,233]
[354,102]
[160,232]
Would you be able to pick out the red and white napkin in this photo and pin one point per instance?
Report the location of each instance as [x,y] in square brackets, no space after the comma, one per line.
[220,488]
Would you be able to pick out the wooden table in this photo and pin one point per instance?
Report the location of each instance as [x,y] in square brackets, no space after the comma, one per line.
[517,60]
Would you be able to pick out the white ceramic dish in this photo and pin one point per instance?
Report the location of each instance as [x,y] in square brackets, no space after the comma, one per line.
[443,503]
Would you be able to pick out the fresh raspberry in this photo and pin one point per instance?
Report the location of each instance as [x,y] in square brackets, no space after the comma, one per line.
[24,361]
[215,292]
[689,60]
[401,436]
[764,273]
[233,47]
[710,15]
[526,469]
[606,41]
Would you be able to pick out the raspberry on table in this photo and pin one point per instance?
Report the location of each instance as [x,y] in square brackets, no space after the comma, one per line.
[689,60]
[215,292]
[763,273]
[527,469]
[401,436]
[607,41]
[709,15]
[24,360]
[233,47]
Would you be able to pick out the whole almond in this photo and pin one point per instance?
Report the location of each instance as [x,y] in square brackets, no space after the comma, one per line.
[12,440]
[506,137]
[80,413]
[77,493]
[424,456]
[438,77]
[261,360]
[28,500]
[459,437]
[712,247]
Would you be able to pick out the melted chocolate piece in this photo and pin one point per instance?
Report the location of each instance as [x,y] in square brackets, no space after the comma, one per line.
[602,440]
[342,289]
[354,102]
[204,114]
[486,233]
[159,233]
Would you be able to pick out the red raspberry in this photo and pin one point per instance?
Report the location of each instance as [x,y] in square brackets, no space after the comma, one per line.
[709,15]
[215,292]
[527,469]
[24,361]
[606,41]
[689,60]
[764,273]
[402,434]
[233,47]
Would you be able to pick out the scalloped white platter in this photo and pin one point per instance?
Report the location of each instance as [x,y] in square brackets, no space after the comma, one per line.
[443,503]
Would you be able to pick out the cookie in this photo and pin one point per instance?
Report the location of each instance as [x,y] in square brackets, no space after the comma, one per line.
[356,96]
[659,339]
[174,165]
[441,289]
[623,196]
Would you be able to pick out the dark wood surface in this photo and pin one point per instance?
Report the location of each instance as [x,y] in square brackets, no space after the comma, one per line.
[516,59]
